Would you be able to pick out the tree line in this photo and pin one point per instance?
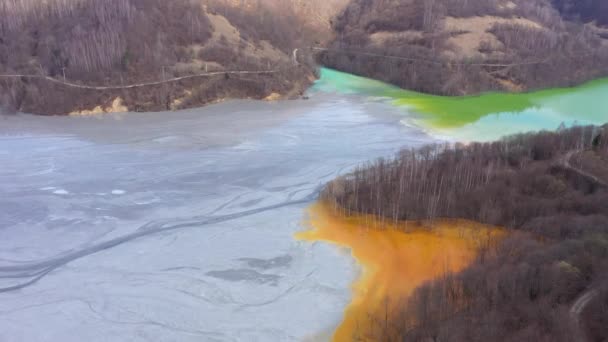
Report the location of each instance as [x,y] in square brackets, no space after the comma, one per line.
[114,42]
[572,51]
[549,189]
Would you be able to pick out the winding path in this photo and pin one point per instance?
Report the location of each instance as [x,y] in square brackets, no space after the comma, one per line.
[583,300]
[431,61]
[138,85]
[577,308]
[564,161]
[260,72]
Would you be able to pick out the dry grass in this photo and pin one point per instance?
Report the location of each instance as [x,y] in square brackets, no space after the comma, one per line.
[225,31]
[471,32]
[381,37]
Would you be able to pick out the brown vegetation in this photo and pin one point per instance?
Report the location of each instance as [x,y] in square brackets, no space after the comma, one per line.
[590,10]
[596,317]
[450,47]
[545,186]
[120,42]
[538,45]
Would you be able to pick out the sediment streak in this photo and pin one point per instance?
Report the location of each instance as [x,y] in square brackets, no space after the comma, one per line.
[31,273]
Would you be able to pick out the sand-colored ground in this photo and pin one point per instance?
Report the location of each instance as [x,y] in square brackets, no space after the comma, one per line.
[474,30]
[115,107]
[223,29]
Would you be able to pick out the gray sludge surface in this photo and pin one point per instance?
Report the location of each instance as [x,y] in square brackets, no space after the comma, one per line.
[179,226]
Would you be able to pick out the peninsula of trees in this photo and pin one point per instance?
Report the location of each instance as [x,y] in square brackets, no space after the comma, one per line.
[545,282]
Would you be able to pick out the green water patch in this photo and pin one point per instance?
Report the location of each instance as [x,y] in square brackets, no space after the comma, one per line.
[487,116]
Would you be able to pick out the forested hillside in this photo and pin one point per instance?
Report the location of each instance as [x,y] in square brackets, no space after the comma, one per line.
[549,190]
[456,47]
[585,11]
[450,47]
[123,42]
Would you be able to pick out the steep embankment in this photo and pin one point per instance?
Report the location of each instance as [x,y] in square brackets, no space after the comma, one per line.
[88,55]
[456,47]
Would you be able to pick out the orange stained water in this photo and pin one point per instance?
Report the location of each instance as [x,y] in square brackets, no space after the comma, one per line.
[394,260]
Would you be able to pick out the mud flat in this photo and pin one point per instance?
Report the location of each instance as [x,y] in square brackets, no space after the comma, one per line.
[179,225]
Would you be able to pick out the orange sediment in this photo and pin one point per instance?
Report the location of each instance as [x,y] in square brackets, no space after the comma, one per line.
[395,260]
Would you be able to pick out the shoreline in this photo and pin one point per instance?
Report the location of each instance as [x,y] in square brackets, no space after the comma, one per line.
[394,260]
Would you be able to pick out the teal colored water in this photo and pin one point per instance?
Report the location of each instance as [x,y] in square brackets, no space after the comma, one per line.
[484,117]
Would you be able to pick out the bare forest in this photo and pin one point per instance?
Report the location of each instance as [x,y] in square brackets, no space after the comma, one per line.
[550,189]
[124,42]
[460,47]
[450,47]
[590,10]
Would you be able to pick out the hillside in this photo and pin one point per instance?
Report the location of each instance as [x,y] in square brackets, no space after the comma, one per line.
[586,11]
[124,42]
[548,190]
[449,47]
[457,47]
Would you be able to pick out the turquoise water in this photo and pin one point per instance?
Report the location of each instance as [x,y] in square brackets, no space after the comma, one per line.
[483,117]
